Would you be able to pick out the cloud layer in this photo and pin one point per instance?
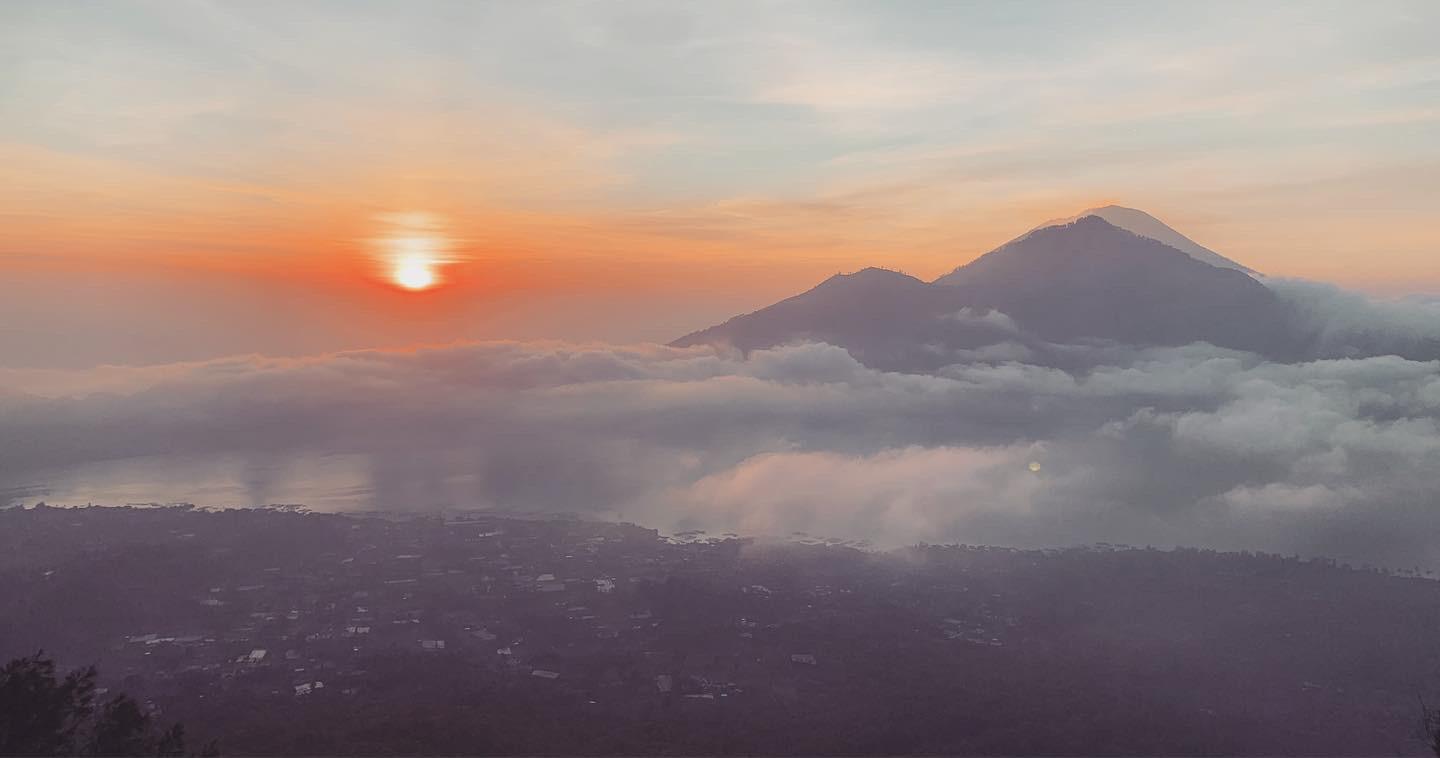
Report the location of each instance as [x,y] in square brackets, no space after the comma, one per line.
[1192,445]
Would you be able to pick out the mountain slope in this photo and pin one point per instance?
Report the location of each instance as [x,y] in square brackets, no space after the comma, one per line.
[1090,278]
[1141,223]
[872,311]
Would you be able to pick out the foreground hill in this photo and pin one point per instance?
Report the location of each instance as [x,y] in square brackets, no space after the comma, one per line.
[289,633]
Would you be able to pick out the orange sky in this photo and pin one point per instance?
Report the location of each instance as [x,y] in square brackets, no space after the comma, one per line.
[633,175]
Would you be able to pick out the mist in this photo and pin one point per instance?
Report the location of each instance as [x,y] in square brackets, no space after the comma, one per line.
[1192,445]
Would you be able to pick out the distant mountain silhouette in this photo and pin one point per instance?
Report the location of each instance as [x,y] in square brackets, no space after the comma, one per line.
[1082,280]
[1090,278]
[1141,223]
[880,313]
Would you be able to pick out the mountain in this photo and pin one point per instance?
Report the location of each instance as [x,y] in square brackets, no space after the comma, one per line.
[1081,280]
[884,318]
[1141,223]
[1090,278]
[874,311]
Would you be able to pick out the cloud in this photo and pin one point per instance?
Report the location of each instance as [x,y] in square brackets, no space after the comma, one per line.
[1345,322]
[1192,445]
[987,317]
[907,494]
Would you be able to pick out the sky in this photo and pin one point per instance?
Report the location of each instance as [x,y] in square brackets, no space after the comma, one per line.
[187,180]
[418,255]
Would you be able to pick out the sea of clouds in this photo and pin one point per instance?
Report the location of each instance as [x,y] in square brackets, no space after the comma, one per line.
[1192,445]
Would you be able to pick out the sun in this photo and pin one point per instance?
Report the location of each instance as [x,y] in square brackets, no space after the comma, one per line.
[414,272]
[412,250]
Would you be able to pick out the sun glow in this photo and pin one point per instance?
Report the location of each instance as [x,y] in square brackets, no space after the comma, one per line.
[413,250]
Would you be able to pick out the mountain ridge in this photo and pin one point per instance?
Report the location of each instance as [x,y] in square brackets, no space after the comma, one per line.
[1084,279]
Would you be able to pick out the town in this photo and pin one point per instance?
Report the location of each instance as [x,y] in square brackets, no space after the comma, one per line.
[277,630]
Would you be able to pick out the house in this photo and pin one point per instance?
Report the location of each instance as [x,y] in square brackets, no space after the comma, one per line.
[308,687]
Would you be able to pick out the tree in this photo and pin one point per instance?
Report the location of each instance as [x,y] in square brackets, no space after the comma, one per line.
[1430,725]
[41,714]
[122,728]
[172,743]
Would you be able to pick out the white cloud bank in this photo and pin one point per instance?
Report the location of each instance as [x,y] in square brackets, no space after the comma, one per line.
[1193,445]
